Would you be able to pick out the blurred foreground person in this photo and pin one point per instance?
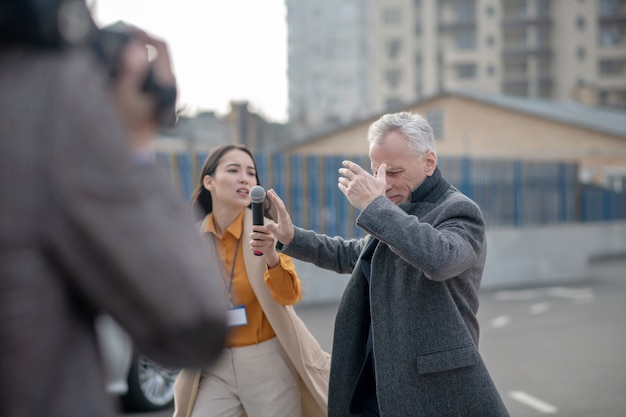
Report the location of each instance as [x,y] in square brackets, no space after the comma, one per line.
[406,332]
[88,222]
[273,366]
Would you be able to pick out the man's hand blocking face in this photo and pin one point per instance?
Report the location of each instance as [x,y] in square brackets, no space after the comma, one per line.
[359,186]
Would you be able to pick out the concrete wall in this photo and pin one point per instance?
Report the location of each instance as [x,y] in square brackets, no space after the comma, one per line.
[549,255]
[517,257]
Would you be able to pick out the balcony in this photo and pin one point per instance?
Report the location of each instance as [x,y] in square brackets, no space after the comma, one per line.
[456,25]
[619,20]
[519,20]
[515,74]
[545,82]
[522,51]
[515,88]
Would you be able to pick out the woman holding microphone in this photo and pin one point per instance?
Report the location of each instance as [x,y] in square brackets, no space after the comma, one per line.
[272,365]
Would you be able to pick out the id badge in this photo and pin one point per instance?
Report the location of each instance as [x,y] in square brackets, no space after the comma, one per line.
[237,316]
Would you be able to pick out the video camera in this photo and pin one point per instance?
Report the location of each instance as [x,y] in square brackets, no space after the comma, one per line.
[108,44]
[59,24]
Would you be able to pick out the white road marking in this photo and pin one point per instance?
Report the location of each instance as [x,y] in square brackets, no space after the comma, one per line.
[532,402]
[574,294]
[518,295]
[539,308]
[500,321]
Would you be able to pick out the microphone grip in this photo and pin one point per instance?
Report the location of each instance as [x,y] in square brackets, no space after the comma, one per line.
[257,219]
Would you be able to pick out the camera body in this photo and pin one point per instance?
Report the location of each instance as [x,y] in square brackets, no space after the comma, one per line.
[108,45]
[60,24]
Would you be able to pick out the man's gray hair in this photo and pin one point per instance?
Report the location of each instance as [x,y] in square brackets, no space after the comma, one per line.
[419,133]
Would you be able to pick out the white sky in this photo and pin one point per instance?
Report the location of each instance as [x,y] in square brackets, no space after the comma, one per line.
[221,50]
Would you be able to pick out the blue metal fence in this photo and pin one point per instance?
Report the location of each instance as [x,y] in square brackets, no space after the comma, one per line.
[509,192]
[601,204]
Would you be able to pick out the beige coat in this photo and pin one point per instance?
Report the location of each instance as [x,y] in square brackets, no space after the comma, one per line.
[305,353]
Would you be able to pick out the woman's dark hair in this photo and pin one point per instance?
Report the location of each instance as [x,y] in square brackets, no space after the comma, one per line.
[201,202]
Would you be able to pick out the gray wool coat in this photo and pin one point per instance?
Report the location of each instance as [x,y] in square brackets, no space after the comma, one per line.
[425,279]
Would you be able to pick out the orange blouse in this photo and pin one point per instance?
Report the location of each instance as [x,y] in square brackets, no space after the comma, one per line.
[282,281]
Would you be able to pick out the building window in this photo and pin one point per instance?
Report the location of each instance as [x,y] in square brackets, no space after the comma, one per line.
[392,16]
[543,37]
[418,28]
[393,77]
[465,11]
[610,36]
[393,103]
[515,68]
[435,118]
[393,48]
[466,71]
[490,70]
[580,23]
[617,182]
[611,8]
[545,91]
[612,67]
[491,40]
[543,8]
[544,67]
[466,40]
[613,98]
[620,99]
[490,11]
[515,39]
[517,89]
[515,9]
[581,53]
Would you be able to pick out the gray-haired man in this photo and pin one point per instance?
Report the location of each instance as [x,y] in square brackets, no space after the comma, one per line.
[406,333]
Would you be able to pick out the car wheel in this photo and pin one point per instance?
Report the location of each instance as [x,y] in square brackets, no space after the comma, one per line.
[150,385]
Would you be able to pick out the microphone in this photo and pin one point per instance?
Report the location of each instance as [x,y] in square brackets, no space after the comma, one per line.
[257,194]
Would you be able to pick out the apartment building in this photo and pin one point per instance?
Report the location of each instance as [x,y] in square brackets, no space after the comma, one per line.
[328,46]
[349,58]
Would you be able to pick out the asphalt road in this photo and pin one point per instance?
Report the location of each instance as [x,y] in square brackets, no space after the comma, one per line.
[560,350]
[551,351]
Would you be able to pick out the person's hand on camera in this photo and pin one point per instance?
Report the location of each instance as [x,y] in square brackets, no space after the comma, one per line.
[135,106]
[161,62]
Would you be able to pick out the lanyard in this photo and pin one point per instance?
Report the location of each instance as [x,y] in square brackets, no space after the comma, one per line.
[229,285]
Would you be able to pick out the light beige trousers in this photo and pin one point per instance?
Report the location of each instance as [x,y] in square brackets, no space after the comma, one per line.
[257,379]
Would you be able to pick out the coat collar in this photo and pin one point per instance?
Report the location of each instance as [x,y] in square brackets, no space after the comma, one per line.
[431,190]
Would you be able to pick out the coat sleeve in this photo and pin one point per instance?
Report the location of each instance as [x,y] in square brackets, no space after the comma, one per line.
[449,243]
[332,253]
[123,233]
